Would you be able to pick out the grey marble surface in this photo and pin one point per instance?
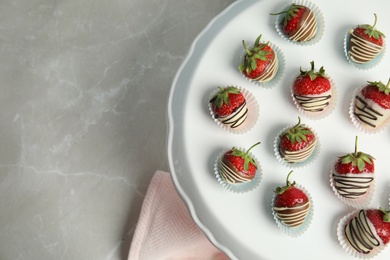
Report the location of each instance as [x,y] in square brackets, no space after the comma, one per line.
[84,90]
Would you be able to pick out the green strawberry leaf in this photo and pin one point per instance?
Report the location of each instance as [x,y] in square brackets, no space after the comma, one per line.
[255,53]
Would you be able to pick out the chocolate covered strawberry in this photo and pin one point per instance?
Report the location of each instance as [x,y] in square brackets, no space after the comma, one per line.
[260,62]
[368,230]
[229,106]
[353,174]
[312,89]
[372,104]
[298,23]
[237,166]
[365,43]
[297,143]
[291,204]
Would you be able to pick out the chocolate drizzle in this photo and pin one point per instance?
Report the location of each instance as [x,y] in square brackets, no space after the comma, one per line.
[365,113]
[229,173]
[352,187]
[270,71]
[306,27]
[313,103]
[236,118]
[300,155]
[359,234]
[293,216]
[361,50]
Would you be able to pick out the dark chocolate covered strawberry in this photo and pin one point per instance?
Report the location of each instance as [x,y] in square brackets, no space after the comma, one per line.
[372,104]
[229,106]
[291,204]
[368,230]
[237,166]
[365,43]
[297,143]
[260,62]
[312,89]
[298,23]
[353,174]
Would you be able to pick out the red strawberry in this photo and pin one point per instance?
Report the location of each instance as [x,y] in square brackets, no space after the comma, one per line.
[298,23]
[357,162]
[365,43]
[380,218]
[353,175]
[369,33]
[311,82]
[226,100]
[291,204]
[297,143]
[237,166]
[372,104]
[364,236]
[259,62]
[378,92]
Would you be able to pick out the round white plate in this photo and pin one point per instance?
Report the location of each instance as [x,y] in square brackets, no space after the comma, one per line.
[242,225]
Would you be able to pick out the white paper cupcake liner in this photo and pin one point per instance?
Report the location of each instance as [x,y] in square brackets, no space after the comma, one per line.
[295,231]
[238,187]
[345,244]
[364,66]
[317,13]
[361,125]
[320,114]
[253,113]
[279,73]
[362,201]
[309,160]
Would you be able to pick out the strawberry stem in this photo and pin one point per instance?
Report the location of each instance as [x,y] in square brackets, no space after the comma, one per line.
[288,176]
[280,190]
[247,152]
[373,26]
[356,143]
[388,84]
[312,65]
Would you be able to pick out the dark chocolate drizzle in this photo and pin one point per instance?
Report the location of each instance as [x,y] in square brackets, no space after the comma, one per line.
[232,120]
[351,185]
[360,234]
[365,112]
[307,103]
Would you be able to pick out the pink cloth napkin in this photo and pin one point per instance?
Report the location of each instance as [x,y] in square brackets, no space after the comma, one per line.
[165,229]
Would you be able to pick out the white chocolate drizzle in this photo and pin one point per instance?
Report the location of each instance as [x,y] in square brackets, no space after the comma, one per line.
[231,176]
[300,155]
[307,32]
[363,50]
[270,72]
[292,216]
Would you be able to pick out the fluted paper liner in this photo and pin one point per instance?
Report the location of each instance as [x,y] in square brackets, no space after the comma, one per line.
[253,113]
[238,187]
[295,231]
[317,13]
